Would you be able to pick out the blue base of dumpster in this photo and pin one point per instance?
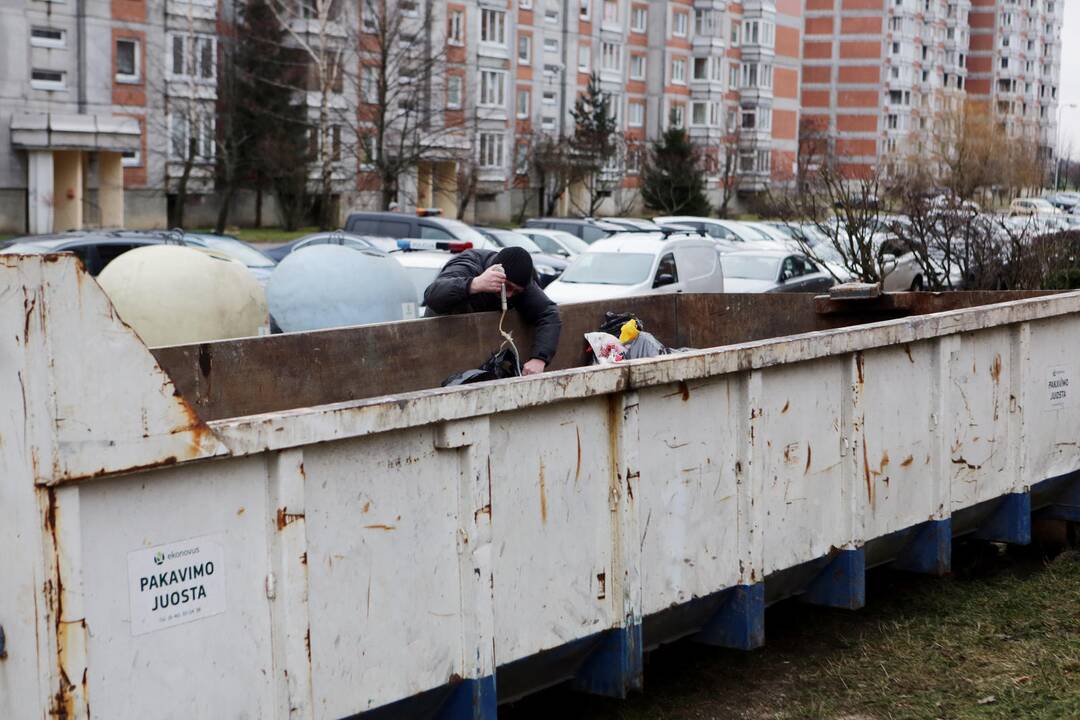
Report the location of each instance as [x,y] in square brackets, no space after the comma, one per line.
[928,549]
[463,700]
[1009,522]
[1064,493]
[841,583]
[740,620]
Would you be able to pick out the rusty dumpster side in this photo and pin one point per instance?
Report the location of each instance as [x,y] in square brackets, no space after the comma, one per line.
[432,553]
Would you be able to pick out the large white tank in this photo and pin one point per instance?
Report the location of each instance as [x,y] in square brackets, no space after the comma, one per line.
[326,286]
[173,295]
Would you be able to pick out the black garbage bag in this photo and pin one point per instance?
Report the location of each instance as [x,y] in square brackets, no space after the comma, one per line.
[501,365]
[613,322]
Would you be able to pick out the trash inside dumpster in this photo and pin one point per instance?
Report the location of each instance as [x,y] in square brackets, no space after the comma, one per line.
[307,526]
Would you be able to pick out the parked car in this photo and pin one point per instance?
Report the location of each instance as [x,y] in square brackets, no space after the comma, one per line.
[548,267]
[630,264]
[256,261]
[280,252]
[555,242]
[588,230]
[96,249]
[634,224]
[422,267]
[779,270]
[1064,201]
[1032,206]
[726,233]
[400,226]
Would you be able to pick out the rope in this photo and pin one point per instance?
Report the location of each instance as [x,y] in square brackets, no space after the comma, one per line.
[508,338]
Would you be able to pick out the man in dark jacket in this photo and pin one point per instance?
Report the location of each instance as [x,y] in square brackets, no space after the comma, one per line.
[471,282]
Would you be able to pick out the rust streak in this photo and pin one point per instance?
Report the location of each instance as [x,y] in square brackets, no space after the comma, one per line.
[685,390]
[601,579]
[809,455]
[859,366]
[380,526]
[907,351]
[907,461]
[543,495]
[577,472]
[995,369]
[787,406]
[866,473]
[284,517]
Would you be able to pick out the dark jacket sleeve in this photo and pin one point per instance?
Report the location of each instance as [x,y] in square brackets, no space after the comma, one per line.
[543,314]
[450,289]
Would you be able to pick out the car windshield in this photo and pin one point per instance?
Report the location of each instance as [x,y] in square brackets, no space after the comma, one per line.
[548,245]
[505,238]
[463,232]
[750,267]
[605,268]
[236,250]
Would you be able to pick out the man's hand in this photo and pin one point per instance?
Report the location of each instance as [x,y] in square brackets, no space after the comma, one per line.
[533,367]
[489,281]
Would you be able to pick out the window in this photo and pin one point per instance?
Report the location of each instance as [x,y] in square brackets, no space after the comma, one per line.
[193,57]
[551,16]
[131,158]
[678,71]
[585,9]
[551,45]
[679,24]
[678,115]
[409,8]
[369,85]
[370,17]
[666,271]
[48,80]
[757,75]
[759,32]
[127,61]
[708,68]
[734,33]
[547,122]
[733,75]
[896,48]
[551,97]
[636,112]
[48,37]
[583,58]
[493,27]
[637,67]
[1004,63]
[191,136]
[491,150]
[455,89]
[611,12]
[611,56]
[492,88]
[524,48]
[896,24]
[699,113]
[524,99]
[525,4]
[639,19]
[455,31]
[892,121]
[705,22]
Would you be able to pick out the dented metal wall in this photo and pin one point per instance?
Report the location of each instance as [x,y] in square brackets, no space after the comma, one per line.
[432,553]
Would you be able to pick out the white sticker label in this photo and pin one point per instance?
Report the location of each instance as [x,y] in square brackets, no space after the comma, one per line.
[1058,388]
[176,583]
[408,311]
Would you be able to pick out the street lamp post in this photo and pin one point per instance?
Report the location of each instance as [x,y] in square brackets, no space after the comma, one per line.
[1057,142]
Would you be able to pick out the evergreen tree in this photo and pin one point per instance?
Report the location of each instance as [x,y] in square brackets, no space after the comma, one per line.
[672,181]
[268,73]
[595,142]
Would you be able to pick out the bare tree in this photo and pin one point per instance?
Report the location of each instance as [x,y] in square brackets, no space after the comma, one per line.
[727,171]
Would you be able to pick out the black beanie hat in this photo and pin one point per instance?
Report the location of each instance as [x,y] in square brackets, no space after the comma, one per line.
[517,264]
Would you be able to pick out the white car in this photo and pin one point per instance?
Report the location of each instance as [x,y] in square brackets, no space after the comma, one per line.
[631,264]
[555,242]
[727,233]
[1032,206]
[773,270]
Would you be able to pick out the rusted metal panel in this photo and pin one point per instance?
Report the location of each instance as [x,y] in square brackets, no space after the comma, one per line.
[374,548]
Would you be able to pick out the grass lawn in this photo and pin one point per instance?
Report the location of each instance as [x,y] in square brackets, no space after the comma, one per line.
[265,235]
[999,639]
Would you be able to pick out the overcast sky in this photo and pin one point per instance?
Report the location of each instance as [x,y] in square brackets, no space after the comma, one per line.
[1070,79]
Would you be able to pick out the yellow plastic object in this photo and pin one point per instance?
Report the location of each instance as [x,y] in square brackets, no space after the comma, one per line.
[629,332]
[172,295]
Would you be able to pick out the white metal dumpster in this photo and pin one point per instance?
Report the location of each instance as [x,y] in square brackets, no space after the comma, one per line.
[436,552]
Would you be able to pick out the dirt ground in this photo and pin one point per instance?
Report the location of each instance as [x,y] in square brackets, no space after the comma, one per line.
[1000,638]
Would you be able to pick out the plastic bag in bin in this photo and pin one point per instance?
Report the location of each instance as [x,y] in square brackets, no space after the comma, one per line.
[606,348]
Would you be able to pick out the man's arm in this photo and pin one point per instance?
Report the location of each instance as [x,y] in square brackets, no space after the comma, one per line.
[540,312]
[451,287]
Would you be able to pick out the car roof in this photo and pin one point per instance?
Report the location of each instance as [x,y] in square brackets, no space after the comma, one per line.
[765,252]
[422,258]
[603,225]
[645,242]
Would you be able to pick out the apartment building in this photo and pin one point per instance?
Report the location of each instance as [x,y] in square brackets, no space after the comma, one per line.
[728,73]
[876,73]
[1015,64]
[96,100]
